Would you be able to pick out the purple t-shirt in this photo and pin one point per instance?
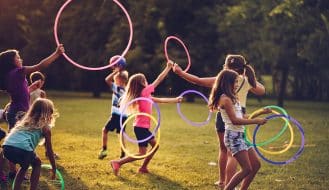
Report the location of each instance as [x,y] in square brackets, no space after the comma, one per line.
[17,87]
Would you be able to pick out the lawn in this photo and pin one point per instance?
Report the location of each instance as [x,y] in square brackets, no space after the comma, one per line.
[186,157]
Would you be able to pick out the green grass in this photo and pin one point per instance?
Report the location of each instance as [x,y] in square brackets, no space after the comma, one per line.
[185,151]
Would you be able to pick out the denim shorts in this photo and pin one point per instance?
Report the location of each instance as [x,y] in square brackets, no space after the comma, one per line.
[234,141]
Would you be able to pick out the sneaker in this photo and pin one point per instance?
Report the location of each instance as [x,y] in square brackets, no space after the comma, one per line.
[115,167]
[143,171]
[219,184]
[102,154]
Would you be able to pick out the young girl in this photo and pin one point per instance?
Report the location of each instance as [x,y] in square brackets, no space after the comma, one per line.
[22,140]
[13,80]
[37,80]
[117,81]
[246,82]
[138,87]
[223,98]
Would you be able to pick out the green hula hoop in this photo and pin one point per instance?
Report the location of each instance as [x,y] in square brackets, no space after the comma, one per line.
[58,174]
[247,134]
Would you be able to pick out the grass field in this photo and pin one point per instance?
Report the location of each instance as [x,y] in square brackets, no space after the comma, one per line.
[186,152]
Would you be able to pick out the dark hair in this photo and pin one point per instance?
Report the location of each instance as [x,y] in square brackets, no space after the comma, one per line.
[6,65]
[223,85]
[36,76]
[239,64]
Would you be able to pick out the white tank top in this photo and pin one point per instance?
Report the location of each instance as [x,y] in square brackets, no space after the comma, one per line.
[228,123]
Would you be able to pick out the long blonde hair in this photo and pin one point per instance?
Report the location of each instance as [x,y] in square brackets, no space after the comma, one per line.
[136,84]
[41,114]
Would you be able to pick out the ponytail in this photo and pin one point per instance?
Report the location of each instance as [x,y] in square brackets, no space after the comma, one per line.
[250,73]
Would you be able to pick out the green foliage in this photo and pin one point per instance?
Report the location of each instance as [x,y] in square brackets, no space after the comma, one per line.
[287,39]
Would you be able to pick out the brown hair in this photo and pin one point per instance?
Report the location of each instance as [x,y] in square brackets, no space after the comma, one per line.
[224,84]
[239,64]
[36,76]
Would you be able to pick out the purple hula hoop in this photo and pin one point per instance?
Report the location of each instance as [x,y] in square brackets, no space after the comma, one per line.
[294,157]
[197,124]
[156,128]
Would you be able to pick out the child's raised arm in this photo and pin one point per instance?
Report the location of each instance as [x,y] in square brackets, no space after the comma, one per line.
[259,89]
[47,134]
[109,78]
[163,74]
[47,61]
[167,100]
[206,81]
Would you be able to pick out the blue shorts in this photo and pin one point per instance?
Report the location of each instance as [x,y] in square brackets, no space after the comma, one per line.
[234,141]
[143,133]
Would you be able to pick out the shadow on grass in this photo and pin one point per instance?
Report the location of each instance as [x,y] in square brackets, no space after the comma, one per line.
[153,181]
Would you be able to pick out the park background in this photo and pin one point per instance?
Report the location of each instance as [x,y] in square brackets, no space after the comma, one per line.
[286,41]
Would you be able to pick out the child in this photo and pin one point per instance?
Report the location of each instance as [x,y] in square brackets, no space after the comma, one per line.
[117,81]
[247,82]
[13,80]
[223,98]
[138,87]
[22,140]
[37,80]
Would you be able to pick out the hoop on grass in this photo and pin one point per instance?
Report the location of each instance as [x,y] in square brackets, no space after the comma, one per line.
[44,181]
[94,68]
[122,131]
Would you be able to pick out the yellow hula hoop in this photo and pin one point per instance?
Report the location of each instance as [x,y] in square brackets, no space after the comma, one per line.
[273,152]
[121,137]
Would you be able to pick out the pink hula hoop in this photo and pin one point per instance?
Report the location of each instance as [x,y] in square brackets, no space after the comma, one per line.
[94,68]
[185,48]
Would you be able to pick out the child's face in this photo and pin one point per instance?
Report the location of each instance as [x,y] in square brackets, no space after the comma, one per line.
[18,61]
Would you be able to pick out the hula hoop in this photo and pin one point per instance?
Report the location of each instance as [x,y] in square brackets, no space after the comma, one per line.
[121,137]
[185,48]
[48,167]
[248,134]
[158,121]
[197,124]
[298,153]
[93,68]
[287,147]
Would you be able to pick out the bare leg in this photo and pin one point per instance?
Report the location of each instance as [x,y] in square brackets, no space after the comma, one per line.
[19,178]
[104,137]
[230,167]
[148,158]
[222,158]
[36,167]
[243,159]
[255,164]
